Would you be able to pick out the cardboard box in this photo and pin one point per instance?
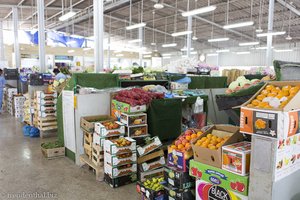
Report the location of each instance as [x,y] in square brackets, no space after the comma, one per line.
[179,86]
[236,158]
[117,171]
[178,179]
[180,194]
[97,139]
[207,191]
[88,123]
[154,144]
[214,157]
[44,114]
[133,119]
[153,164]
[150,156]
[177,159]
[222,178]
[102,131]
[118,107]
[122,159]
[47,107]
[112,148]
[46,101]
[142,176]
[42,94]
[275,123]
[120,181]
[137,131]
[150,194]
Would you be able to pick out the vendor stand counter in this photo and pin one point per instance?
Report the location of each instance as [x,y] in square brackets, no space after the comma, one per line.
[204,82]
[141,83]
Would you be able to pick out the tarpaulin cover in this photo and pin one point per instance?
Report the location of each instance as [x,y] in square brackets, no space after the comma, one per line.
[164,118]
[287,71]
[204,82]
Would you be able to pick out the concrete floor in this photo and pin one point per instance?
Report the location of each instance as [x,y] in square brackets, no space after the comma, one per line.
[24,170]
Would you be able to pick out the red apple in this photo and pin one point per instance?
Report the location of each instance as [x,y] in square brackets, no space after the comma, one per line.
[240,186]
[184,141]
[233,185]
[181,138]
[177,142]
[188,132]
[246,86]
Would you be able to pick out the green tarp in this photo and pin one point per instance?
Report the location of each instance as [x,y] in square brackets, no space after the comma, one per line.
[204,82]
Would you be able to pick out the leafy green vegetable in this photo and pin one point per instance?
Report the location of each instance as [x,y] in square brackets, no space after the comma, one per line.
[52,145]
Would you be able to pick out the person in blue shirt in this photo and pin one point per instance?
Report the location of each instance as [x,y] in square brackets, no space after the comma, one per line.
[2,85]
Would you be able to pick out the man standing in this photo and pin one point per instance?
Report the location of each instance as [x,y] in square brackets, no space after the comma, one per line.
[2,85]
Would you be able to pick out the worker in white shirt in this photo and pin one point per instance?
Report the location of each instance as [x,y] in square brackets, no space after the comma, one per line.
[2,85]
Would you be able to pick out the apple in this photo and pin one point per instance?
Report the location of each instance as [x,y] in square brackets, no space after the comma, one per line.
[188,132]
[181,138]
[246,86]
[233,185]
[184,141]
[177,142]
[240,186]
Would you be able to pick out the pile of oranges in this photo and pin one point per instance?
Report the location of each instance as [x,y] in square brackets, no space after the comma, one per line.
[183,143]
[212,142]
[283,94]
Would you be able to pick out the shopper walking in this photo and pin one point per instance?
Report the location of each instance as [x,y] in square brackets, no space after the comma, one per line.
[2,85]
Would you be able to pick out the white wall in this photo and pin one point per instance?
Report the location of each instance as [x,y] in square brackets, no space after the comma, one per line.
[257,58]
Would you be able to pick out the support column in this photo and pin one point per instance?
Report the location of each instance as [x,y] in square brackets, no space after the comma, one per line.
[269,55]
[108,53]
[189,37]
[16,41]
[140,46]
[98,35]
[41,35]
[2,55]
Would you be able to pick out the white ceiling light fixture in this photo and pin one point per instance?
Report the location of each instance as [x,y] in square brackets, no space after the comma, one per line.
[242,52]
[283,50]
[159,5]
[87,48]
[135,41]
[194,38]
[182,33]
[262,48]
[119,55]
[147,56]
[194,53]
[288,37]
[199,11]
[271,33]
[67,16]
[166,55]
[71,51]
[218,39]
[185,49]
[238,25]
[212,54]
[135,26]
[248,43]
[223,51]
[146,52]
[169,45]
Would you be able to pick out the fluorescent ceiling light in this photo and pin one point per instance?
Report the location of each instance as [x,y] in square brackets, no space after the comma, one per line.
[222,50]
[181,33]
[153,43]
[158,5]
[147,56]
[283,50]
[194,38]
[167,57]
[166,54]
[194,53]
[212,54]
[288,37]
[185,49]
[199,11]
[71,51]
[238,25]
[67,16]
[87,48]
[120,55]
[259,48]
[169,45]
[135,26]
[134,41]
[146,52]
[270,33]
[218,39]
[259,30]
[248,43]
[242,52]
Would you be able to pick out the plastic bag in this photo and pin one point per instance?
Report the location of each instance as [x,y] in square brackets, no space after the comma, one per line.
[34,132]
[198,106]
[26,130]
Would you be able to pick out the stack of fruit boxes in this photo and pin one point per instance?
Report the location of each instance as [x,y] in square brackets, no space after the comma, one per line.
[10,92]
[120,161]
[18,106]
[136,124]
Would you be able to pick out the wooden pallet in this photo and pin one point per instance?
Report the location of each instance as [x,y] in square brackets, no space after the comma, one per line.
[98,170]
[88,153]
[97,155]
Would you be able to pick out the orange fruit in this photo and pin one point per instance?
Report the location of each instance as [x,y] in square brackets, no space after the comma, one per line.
[209,135]
[188,138]
[272,94]
[203,139]
[285,91]
[287,87]
[280,95]
[180,146]
[194,135]
[262,104]
[219,145]
[260,97]
[269,87]
[226,160]
[199,134]
[250,106]
[294,90]
[204,145]
[275,90]
[212,148]
[214,137]
[264,92]
[187,145]
[255,102]
[198,143]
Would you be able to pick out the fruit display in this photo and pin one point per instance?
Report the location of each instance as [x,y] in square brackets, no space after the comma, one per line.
[133,119]
[111,125]
[122,142]
[154,184]
[183,142]
[274,97]
[137,131]
[211,141]
[137,96]
[241,83]
[109,128]
[122,159]
[153,144]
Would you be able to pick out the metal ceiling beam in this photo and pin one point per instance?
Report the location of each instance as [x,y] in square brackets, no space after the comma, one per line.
[289,6]
[10,12]
[46,6]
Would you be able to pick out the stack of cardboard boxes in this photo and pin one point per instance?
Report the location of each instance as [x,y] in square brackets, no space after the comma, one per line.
[8,99]
[18,106]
